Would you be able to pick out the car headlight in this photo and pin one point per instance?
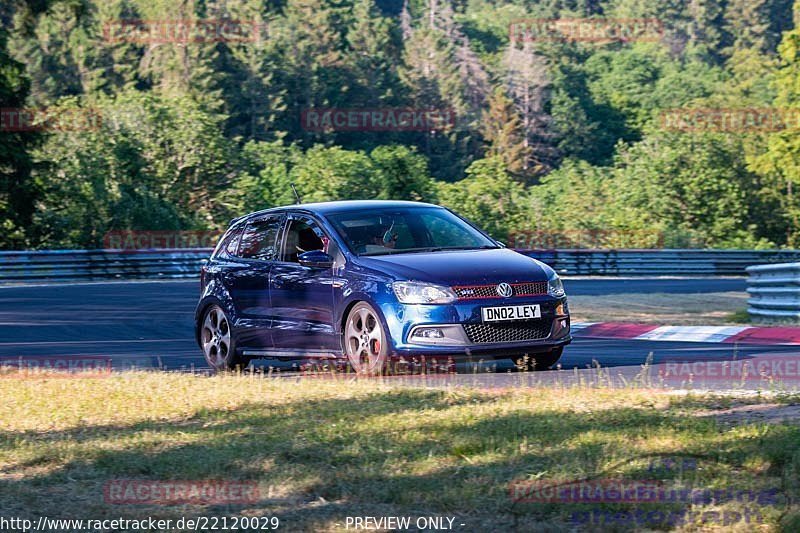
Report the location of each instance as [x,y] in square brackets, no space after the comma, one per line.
[410,292]
[555,288]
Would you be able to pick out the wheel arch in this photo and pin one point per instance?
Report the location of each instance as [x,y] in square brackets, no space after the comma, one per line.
[363,298]
[200,312]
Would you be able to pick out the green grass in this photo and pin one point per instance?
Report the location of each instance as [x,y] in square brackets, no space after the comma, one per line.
[707,309]
[322,450]
[740,316]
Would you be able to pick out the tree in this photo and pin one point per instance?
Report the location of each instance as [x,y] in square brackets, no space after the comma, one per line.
[372,52]
[597,218]
[154,162]
[403,174]
[697,186]
[490,197]
[747,25]
[17,192]
[313,68]
[441,71]
[248,71]
[335,174]
[503,131]
[780,164]
[264,181]
[527,84]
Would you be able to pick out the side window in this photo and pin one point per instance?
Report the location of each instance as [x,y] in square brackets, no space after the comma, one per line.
[229,243]
[302,236]
[258,239]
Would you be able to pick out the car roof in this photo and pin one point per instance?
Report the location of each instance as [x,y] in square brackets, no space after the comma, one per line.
[341,206]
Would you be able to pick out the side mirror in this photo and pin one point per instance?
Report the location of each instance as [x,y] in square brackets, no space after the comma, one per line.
[315,258]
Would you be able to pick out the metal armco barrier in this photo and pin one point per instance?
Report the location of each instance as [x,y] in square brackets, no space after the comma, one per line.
[89,265]
[774,292]
[688,262]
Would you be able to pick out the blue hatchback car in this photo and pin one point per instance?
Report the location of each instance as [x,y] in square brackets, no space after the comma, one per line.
[373,280]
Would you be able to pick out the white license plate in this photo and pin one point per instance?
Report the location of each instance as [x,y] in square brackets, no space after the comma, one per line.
[511,312]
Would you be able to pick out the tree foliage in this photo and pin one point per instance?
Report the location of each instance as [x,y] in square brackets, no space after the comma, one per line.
[547,135]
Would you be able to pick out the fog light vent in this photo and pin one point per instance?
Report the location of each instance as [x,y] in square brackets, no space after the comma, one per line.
[429,333]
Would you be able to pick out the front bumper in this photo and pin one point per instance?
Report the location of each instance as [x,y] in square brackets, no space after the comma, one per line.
[478,339]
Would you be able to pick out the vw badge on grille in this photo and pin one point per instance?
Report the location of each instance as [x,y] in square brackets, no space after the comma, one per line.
[505,290]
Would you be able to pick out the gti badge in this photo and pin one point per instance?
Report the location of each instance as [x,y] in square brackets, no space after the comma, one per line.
[505,290]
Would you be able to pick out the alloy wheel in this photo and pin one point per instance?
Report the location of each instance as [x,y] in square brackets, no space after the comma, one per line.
[364,341]
[216,338]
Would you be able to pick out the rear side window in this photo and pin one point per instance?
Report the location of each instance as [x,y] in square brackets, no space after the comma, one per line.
[259,238]
[230,242]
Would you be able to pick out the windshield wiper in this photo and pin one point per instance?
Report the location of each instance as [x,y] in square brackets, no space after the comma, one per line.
[445,248]
[430,249]
[403,251]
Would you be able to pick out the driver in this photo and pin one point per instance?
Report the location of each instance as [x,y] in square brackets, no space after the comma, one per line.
[386,238]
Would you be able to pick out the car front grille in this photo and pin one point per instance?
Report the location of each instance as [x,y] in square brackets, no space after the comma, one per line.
[474,292]
[508,332]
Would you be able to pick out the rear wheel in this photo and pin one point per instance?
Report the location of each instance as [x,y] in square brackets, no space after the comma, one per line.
[539,361]
[365,341]
[217,341]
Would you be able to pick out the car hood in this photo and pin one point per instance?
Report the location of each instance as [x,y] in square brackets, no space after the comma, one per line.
[461,267]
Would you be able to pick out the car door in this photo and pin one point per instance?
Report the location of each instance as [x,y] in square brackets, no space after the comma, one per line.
[248,281]
[302,296]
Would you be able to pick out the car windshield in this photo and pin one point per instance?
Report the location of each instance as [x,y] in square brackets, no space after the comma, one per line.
[407,230]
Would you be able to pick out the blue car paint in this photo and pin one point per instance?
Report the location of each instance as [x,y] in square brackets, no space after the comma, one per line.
[242,288]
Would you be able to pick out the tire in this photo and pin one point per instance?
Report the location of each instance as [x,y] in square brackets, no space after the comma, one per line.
[217,342]
[364,341]
[540,361]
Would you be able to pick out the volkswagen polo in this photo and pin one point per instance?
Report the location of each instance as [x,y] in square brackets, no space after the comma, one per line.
[369,281]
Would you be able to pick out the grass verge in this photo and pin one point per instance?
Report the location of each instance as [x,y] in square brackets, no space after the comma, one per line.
[320,451]
[708,309]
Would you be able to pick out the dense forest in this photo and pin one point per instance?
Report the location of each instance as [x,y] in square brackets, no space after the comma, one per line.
[547,135]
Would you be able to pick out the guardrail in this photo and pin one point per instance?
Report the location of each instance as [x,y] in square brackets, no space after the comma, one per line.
[88,265]
[775,292]
[674,262]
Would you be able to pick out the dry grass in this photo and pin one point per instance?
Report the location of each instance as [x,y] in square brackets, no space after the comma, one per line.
[709,309]
[321,451]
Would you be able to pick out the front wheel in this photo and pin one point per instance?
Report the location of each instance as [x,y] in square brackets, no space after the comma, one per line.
[217,341]
[365,340]
[540,361]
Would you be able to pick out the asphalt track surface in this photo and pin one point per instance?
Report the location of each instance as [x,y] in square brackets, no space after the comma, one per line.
[149,325]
